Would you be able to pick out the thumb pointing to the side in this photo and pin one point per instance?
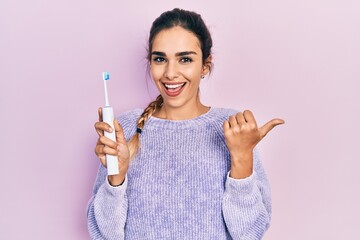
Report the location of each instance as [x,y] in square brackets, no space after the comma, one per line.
[270,125]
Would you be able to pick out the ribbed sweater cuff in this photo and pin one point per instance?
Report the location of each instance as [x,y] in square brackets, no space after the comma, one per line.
[115,191]
[242,186]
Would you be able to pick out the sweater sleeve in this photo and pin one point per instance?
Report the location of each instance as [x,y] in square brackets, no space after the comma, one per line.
[246,204]
[107,208]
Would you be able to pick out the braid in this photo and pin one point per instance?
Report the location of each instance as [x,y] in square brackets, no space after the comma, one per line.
[149,111]
[134,143]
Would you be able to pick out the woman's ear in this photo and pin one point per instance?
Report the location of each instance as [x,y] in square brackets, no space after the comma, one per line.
[207,66]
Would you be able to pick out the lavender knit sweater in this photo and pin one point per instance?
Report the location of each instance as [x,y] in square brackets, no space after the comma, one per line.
[178,186]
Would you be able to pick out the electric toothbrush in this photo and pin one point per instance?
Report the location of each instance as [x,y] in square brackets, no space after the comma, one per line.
[108,117]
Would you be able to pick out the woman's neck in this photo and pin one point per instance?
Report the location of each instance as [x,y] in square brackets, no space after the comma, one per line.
[181,113]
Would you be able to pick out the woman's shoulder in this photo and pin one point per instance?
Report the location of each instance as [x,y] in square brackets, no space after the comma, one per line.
[224,113]
[219,115]
[128,120]
[130,115]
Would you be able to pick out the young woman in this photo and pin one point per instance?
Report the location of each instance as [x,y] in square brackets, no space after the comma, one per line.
[187,171]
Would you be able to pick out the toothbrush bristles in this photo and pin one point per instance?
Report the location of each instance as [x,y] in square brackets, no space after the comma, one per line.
[106,77]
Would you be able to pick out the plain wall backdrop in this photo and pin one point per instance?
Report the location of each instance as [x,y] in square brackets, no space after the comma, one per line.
[297,60]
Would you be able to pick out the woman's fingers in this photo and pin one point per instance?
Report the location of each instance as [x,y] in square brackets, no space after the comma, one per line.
[120,138]
[232,121]
[240,118]
[100,114]
[242,133]
[101,127]
[110,151]
[226,126]
[101,150]
[124,152]
[106,146]
[270,125]
[249,118]
[108,142]
[99,132]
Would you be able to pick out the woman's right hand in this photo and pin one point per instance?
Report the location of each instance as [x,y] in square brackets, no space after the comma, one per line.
[119,148]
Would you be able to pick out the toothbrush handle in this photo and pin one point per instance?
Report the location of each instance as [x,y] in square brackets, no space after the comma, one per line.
[111,161]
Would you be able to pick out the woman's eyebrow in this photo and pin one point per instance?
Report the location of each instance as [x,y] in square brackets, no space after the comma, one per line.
[161,54]
[179,54]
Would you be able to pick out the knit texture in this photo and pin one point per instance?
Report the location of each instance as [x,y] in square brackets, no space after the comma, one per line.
[178,186]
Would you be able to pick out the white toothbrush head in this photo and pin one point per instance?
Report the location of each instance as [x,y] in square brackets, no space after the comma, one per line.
[106,77]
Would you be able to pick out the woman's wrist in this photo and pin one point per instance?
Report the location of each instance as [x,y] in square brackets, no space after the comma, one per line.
[116,180]
[240,172]
[241,165]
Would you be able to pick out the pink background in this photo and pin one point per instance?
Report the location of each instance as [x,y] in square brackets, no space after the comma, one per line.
[298,60]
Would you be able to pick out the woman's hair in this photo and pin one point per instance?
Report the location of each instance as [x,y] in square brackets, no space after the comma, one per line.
[177,17]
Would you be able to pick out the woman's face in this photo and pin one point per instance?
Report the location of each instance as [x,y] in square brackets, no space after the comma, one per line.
[177,66]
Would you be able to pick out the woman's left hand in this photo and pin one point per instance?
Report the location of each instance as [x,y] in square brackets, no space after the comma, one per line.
[241,135]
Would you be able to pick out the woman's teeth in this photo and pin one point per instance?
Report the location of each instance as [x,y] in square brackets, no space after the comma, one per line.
[174,89]
[174,86]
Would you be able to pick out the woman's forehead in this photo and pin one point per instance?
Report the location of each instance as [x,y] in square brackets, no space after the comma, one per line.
[176,39]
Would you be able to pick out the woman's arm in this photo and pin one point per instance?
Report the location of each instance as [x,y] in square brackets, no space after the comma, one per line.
[246,204]
[107,209]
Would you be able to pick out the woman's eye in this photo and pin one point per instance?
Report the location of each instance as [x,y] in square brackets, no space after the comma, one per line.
[159,59]
[186,60]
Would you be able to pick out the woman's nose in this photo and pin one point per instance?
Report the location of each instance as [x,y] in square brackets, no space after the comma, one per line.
[171,71]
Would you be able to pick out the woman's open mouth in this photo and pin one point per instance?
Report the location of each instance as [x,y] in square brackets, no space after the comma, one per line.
[173,89]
